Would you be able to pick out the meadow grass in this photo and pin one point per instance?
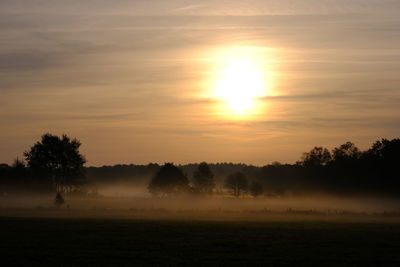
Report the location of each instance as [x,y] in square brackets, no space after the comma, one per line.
[43,241]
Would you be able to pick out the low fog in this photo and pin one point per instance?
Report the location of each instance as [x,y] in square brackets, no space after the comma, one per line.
[127,201]
[345,182]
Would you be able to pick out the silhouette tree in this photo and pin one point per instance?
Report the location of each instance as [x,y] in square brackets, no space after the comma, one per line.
[383,160]
[203,179]
[386,150]
[318,156]
[169,180]
[346,152]
[57,160]
[256,189]
[237,183]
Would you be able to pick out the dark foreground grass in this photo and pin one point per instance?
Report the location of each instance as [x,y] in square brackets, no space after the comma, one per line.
[106,242]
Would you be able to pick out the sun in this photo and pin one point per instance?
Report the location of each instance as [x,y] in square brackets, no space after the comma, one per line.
[240,84]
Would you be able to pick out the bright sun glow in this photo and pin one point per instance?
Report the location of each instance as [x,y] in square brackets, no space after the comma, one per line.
[239,85]
[240,79]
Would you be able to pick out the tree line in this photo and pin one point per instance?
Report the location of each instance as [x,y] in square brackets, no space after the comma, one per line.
[55,164]
[170,180]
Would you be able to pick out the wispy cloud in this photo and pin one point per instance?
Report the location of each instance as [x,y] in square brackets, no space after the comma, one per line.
[131,70]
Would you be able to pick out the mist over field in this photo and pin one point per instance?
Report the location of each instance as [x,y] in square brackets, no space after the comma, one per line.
[121,202]
[346,182]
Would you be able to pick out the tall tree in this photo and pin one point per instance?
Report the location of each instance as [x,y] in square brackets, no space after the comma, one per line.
[346,152]
[387,150]
[57,160]
[237,183]
[383,160]
[169,180]
[318,156]
[203,179]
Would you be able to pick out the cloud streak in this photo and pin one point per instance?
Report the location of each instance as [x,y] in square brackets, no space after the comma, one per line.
[135,71]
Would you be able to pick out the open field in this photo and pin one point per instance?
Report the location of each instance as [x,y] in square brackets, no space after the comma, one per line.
[31,237]
[137,231]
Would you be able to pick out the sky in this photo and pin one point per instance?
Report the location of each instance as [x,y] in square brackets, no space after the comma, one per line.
[137,81]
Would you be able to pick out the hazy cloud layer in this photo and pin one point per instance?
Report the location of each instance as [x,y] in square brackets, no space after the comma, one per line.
[126,76]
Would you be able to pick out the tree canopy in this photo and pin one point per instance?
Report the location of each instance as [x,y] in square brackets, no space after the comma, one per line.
[203,179]
[317,156]
[346,152]
[169,180]
[57,160]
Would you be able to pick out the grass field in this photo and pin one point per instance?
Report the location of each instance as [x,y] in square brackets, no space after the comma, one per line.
[41,241]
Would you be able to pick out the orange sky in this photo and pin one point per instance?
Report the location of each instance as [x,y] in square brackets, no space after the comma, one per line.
[136,81]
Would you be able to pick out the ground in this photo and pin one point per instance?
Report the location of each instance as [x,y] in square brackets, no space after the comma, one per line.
[46,240]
